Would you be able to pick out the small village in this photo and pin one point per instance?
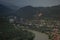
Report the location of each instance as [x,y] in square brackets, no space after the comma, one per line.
[48,26]
[29,19]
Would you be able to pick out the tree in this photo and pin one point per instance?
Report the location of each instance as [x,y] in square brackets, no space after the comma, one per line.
[8,32]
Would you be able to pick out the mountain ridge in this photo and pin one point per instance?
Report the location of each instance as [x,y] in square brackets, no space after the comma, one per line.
[29,11]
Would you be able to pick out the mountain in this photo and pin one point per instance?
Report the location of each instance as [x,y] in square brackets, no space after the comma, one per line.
[55,11]
[6,11]
[29,11]
[9,5]
[49,12]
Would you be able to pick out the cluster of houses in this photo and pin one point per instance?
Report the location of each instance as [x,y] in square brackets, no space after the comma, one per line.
[35,21]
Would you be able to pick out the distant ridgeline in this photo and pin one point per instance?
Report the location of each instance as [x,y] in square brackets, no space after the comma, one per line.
[48,12]
[29,12]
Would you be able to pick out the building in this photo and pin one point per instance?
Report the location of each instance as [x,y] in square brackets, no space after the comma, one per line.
[56,36]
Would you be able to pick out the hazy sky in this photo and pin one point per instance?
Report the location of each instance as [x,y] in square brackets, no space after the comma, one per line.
[36,3]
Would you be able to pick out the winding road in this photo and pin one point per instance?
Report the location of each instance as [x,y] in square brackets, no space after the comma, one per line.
[39,36]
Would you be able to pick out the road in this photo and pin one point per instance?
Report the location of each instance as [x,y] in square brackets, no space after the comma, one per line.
[39,36]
